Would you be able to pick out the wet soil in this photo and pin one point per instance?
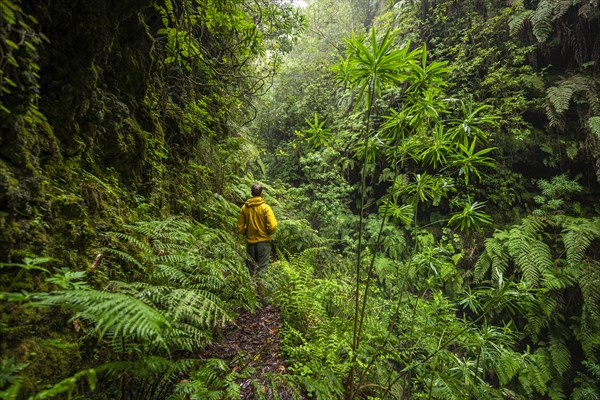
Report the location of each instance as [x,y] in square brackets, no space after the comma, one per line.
[251,346]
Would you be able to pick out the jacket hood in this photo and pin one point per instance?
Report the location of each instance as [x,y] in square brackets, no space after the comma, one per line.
[255,201]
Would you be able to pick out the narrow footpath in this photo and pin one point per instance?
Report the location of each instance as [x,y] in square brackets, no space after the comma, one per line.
[251,346]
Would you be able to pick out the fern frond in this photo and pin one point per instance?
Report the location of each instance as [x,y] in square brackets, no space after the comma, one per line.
[590,331]
[117,313]
[517,21]
[140,245]
[495,257]
[161,246]
[149,366]
[594,125]
[577,236]
[170,274]
[507,366]
[188,337]
[531,255]
[172,230]
[561,7]
[560,278]
[559,97]
[559,354]
[68,384]
[176,259]
[202,308]
[124,256]
[213,379]
[542,19]
[590,286]
[535,374]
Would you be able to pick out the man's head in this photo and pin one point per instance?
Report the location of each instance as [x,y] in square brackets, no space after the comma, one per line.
[257,189]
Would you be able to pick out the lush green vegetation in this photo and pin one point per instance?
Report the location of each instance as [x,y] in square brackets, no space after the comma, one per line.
[434,165]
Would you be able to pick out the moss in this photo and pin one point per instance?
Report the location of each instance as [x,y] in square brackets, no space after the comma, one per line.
[49,360]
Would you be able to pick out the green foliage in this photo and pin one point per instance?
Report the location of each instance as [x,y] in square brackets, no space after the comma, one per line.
[117,314]
[372,69]
[555,192]
[210,380]
[68,385]
[468,161]
[556,264]
[10,381]
[182,148]
[316,134]
[470,217]
[316,324]
[19,61]
[188,280]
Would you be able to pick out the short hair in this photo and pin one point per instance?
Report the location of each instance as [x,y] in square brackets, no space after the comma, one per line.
[257,189]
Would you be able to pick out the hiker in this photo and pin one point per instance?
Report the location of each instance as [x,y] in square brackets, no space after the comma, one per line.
[257,222]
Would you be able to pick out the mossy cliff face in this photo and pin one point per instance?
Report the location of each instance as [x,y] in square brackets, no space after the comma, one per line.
[97,133]
[101,127]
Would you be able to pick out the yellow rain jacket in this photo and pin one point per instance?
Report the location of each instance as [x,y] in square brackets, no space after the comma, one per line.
[256,220]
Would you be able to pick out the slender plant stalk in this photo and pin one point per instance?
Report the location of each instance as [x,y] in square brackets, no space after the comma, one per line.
[363,190]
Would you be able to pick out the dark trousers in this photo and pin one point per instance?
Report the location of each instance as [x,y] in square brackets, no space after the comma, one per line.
[259,255]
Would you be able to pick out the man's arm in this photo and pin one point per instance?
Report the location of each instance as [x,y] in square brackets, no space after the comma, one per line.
[241,223]
[271,222]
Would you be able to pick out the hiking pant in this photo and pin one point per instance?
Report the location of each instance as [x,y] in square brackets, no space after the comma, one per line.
[259,255]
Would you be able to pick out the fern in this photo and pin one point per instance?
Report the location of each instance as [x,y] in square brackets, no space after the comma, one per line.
[138,244]
[117,313]
[507,366]
[559,97]
[577,236]
[531,255]
[148,366]
[203,308]
[594,125]
[590,286]
[171,274]
[559,354]
[213,379]
[10,381]
[542,18]
[535,374]
[124,256]
[68,385]
[494,258]
[517,22]
[315,313]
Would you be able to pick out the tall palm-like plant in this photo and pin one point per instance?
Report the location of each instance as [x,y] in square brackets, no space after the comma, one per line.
[369,69]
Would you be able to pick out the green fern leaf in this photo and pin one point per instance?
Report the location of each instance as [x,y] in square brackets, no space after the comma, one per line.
[561,7]
[124,256]
[542,20]
[134,241]
[531,255]
[577,236]
[594,125]
[507,366]
[560,354]
[517,22]
[495,257]
[170,274]
[590,287]
[117,313]
[559,97]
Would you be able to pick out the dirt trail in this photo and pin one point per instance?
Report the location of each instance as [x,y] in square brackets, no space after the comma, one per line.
[256,337]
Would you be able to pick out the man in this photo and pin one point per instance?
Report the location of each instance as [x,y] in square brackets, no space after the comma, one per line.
[257,222]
